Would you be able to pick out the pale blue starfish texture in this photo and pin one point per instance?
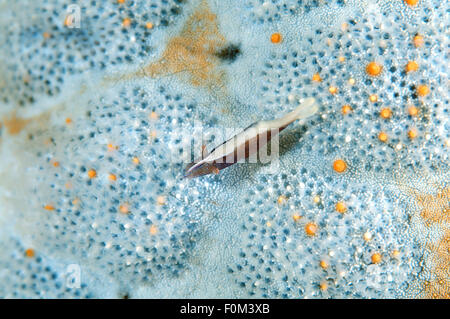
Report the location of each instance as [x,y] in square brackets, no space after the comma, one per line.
[92,203]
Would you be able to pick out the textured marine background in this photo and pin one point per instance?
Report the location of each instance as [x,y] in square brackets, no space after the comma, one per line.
[93,120]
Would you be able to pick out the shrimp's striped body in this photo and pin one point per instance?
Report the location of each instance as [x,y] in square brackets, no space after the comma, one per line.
[248,142]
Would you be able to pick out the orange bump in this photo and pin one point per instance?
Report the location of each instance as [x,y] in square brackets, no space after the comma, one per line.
[333,90]
[383,137]
[46,35]
[92,173]
[395,253]
[418,41]
[136,160]
[120,1]
[413,111]
[112,147]
[56,164]
[153,230]
[124,208]
[373,98]
[386,113]
[367,236]
[323,264]
[311,229]
[374,69]
[341,207]
[411,66]
[323,286]
[316,77]
[341,59]
[161,200]
[346,109]
[126,22]
[30,253]
[49,207]
[422,90]
[296,217]
[154,116]
[276,37]
[112,177]
[412,133]
[281,200]
[316,199]
[68,120]
[376,258]
[339,166]
[411,2]
[149,25]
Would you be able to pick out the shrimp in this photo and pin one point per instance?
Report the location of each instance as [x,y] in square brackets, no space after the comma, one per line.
[239,147]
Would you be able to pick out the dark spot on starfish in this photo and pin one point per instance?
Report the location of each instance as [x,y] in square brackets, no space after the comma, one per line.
[229,53]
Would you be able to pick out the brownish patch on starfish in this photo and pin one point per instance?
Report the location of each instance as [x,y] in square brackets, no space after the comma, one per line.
[14,124]
[192,52]
[435,208]
[439,286]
